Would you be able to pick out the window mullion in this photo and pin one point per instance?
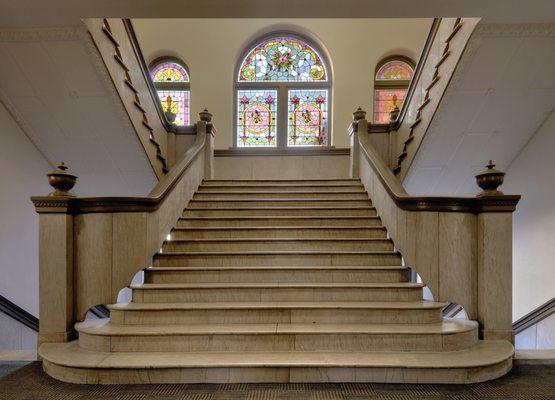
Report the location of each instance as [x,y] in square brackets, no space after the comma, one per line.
[282,116]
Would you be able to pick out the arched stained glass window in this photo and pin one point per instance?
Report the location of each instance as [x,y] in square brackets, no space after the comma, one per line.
[172,82]
[282,94]
[391,82]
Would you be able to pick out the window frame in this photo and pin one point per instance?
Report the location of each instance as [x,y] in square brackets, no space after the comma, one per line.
[176,86]
[283,90]
[392,84]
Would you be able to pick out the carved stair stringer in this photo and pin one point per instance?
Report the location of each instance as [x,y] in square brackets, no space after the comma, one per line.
[438,65]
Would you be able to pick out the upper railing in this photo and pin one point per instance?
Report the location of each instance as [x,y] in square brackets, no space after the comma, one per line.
[460,246]
[90,248]
[442,50]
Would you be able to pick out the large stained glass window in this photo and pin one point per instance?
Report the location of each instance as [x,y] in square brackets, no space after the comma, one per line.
[256,118]
[391,83]
[172,82]
[308,117]
[282,94]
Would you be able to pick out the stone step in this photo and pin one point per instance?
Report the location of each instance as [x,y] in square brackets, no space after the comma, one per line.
[277,274]
[277,244]
[292,258]
[351,187]
[417,312]
[330,212]
[261,232]
[282,195]
[484,361]
[269,202]
[245,292]
[449,335]
[278,182]
[260,221]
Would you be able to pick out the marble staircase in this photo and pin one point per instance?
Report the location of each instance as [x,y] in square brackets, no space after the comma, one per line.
[278,281]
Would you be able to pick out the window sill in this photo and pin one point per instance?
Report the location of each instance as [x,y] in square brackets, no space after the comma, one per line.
[306,151]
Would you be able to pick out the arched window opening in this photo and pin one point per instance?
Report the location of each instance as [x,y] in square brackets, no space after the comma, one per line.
[172,83]
[282,94]
[391,82]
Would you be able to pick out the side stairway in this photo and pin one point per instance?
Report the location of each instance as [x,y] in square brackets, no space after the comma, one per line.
[278,281]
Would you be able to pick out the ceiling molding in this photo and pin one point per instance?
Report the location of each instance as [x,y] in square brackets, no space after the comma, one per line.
[36,34]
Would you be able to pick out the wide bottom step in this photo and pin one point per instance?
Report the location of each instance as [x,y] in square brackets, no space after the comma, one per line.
[484,361]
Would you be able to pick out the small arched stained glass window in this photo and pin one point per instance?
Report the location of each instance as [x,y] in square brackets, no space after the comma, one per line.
[282,59]
[391,82]
[172,82]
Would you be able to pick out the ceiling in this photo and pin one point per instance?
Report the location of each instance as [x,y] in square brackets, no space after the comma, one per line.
[70,12]
[500,95]
[55,86]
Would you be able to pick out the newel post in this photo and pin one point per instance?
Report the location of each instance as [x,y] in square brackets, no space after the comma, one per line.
[495,257]
[207,127]
[358,126]
[56,291]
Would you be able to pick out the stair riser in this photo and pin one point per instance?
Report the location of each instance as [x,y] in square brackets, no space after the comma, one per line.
[293,221]
[216,196]
[275,316]
[279,342]
[338,212]
[300,233]
[278,188]
[323,182]
[166,260]
[279,276]
[277,245]
[275,294]
[278,203]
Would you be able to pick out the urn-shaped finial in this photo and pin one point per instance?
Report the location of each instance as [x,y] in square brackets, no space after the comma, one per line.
[62,181]
[170,115]
[205,115]
[394,114]
[359,114]
[489,180]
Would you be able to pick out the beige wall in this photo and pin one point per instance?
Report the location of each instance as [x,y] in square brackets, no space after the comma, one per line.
[211,47]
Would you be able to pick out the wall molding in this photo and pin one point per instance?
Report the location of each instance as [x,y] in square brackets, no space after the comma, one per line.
[19,314]
[258,152]
[533,317]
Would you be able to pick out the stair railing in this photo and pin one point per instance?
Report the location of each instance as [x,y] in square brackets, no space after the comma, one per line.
[90,248]
[460,246]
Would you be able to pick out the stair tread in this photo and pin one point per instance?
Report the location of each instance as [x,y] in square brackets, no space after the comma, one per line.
[282,180]
[303,252]
[284,217]
[248,228]
[396,305]
[288,267]
[236,285]
[284,239]
[483,353]
[281,208]
[106,328]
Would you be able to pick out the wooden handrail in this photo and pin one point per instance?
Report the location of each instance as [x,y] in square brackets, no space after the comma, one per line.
[81,205]
[504,203]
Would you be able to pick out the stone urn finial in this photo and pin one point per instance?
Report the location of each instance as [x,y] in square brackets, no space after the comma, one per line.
[489,180]
[205,116]
[62,181]
[359,114]
[394,114]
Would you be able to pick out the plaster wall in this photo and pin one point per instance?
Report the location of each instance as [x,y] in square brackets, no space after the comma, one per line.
[212,47]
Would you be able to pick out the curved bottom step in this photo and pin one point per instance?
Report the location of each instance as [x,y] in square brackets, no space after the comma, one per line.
[485,361]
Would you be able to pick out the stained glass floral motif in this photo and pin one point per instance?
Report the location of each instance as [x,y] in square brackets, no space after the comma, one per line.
[307,117]
[282,59]
[385,101]
[256,118]
[176,101]
[395,70]
[169,72]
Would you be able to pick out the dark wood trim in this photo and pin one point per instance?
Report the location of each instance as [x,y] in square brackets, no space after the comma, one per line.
[456,28]
[19,314]
[476,205]
[82,205]
[533,317]
[254,152]
[121,62]
[184,130]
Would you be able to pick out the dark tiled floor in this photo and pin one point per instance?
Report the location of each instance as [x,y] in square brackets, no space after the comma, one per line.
[523,383]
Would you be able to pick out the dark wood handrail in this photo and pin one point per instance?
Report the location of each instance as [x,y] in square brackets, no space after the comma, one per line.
[19,314]
[169,127]
[396,191]
[82,205]
[536,315]
[395,125]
